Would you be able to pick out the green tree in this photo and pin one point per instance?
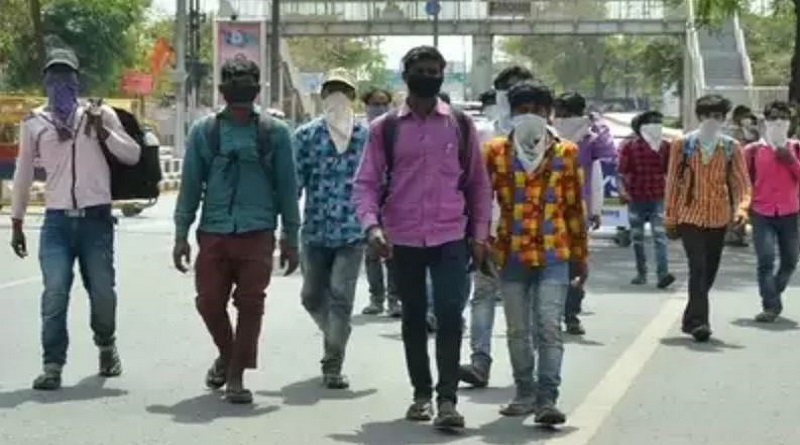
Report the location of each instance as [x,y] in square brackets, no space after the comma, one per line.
[361,56]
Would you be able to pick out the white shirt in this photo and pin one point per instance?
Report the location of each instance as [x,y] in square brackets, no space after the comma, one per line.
[90,178]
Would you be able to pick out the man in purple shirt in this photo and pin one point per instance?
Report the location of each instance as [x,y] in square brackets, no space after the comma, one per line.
[428,214]
[594,142]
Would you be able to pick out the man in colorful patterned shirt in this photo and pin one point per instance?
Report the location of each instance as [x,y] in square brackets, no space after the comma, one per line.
[595,142]
[328,152]
[707,190]
[642,168]
[541,239]
[775,174]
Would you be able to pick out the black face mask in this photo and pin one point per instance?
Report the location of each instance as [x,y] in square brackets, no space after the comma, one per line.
[239,94]
[424,86]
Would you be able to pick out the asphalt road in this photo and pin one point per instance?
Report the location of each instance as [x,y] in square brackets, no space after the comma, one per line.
[632,379]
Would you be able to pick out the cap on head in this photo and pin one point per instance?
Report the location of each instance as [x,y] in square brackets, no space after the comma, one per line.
[61,56]
[338,75]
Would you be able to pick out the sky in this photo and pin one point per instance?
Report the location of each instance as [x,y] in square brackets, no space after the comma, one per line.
[455,48]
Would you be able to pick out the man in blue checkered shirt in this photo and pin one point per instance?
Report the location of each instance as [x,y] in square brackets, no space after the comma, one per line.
[328,151]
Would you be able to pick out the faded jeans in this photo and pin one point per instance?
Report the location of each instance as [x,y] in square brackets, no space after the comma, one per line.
[639,214]
[380,289]
[89,239]
[534,303]
[329,287]
[770,234]
[483,303]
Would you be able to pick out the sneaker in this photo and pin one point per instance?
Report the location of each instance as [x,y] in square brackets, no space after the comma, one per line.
[335,381]
[217,375]
[49,380]
[474,375]
[518,409]
[420,411]
[431,321]
[701,333]
[574,327]
[448,418]
[373,309]
[639,280]
[665,281]
[395,310]
[110,363]
[550,415]
[767,316]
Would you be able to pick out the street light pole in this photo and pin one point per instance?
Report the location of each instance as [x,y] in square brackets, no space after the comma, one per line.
[180,76]
[274,54]
[436,30]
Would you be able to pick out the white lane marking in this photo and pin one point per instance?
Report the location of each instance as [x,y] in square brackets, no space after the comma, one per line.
[595,409]
[20,282]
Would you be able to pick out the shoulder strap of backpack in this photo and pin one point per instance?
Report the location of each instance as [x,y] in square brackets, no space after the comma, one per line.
[212,138]
[464,153]
[264,143]
[387,144]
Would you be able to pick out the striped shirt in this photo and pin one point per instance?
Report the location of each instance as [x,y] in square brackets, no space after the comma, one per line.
[542,218]
[709,205]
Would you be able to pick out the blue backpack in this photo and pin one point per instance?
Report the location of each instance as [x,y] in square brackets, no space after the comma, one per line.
[689,147]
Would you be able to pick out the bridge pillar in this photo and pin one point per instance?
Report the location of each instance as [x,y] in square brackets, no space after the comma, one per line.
[481,73]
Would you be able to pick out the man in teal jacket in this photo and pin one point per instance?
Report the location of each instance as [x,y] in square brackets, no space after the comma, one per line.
[239,163]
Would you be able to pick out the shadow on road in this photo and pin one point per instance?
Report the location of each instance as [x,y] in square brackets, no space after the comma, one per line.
[361,320]
[207,408]
[310,392]
[503,431]
[487,396]
[713,345]
[90,388]
[780,325]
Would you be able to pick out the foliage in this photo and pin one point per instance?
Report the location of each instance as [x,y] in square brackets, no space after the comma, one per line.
[100,32]
[358,55]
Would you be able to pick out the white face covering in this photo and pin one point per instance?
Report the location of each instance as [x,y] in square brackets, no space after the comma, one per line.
[503,112]
[490,111]
[652,134]
[708,135]
[573,129]
[776,133]
[339,119]
[529,139]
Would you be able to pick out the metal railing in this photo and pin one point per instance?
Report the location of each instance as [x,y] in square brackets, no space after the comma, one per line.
[466,10]
[741,48]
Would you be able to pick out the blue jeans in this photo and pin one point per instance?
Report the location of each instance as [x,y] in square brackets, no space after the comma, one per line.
[640,213]
[483,303]
[89,239]
[329,287]
[769,234]
[534,303]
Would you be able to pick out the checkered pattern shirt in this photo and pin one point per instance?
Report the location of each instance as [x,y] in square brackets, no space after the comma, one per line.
[542,217]
[329,216]
[644,169]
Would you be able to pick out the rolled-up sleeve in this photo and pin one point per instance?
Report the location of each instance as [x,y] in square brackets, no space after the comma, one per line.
[368,184]
[119,143]
[478,190]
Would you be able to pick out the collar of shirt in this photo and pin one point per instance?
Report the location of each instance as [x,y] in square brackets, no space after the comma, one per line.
[441,108]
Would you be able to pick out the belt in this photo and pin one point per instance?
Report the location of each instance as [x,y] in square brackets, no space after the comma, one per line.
[98,211]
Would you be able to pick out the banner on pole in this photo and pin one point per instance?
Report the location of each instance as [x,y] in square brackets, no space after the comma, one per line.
[246,39]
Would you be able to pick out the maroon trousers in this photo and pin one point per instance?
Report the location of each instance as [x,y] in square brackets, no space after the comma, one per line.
[242,263]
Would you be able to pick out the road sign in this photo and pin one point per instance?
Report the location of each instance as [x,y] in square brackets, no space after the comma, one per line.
[136,83]
[433,7]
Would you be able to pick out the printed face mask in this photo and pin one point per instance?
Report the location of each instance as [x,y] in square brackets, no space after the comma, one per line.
[652,134]
[62,94]
[776,132]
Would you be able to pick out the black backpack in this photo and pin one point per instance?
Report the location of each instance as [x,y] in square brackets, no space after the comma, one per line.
[138,181]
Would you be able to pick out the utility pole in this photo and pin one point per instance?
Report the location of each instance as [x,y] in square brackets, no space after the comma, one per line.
[275,54]
[180,76]
[436,30]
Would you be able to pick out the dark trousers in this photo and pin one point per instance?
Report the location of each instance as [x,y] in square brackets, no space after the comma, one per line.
[770,234]
[703,247]
[447,265]
[242,263]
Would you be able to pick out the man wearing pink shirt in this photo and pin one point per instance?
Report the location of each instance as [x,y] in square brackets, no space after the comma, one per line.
[775,173]
[422,194]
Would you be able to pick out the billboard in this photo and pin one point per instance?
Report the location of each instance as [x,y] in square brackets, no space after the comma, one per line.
[246,39]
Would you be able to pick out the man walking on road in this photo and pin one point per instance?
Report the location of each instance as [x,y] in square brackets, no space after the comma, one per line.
[377,102]
[743,128]
[329,149]
[485,280]
[594,142]
[239,164]
[642,168]
[70,140]
[422,195]
[541,240]
[707,190]
[774,172]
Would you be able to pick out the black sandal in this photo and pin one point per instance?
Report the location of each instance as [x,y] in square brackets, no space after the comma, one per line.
[238,396]
[217,375]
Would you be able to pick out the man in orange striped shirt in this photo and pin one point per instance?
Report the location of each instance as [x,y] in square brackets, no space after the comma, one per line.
[707,190]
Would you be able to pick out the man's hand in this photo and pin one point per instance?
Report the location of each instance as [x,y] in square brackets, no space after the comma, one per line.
[18,243]
[580,271]
[672,232]
[739,221]
[478,251]
[181,255]
[624,198]
[594,220]
[378,242]
[289,258]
